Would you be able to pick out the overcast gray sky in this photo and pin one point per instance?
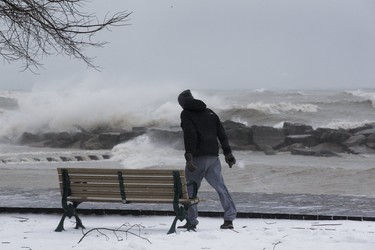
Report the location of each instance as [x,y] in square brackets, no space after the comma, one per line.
[224,44]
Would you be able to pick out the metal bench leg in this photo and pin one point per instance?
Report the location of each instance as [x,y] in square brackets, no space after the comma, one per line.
[181,214]
[181,211]
[70,211]
[60,227]
[172,230]
[73,212]
[78,222]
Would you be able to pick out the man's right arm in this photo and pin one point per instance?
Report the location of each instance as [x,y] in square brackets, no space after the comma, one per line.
[190,135]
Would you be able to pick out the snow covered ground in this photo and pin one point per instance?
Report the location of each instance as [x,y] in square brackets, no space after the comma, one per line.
[36,232]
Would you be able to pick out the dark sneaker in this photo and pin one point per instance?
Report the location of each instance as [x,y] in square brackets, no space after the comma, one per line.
[227,225]
[188,227]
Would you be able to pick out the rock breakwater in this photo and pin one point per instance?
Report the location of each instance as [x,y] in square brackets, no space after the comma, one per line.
[296,138]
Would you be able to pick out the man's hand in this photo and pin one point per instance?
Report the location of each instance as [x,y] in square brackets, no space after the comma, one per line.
[229,158]
[189,162]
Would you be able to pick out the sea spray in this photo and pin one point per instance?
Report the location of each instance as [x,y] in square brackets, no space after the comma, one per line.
[363,94]
[120,107]
[143,152]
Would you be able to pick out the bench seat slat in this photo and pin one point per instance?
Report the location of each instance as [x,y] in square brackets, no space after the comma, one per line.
[117,192]
[131,200]
[169,192]
[128,196]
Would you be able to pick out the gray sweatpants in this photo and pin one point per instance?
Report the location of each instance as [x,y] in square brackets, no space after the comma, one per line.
[209,167]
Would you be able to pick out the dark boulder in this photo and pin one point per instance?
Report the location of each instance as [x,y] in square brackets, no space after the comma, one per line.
[92,144]
[329,147]
[331,135]
[80,138]
[229,125]
[297,128]
[109,140]
[289,148]
[306,140]
[129,135]
[238,134]
[265,137]
[53,140]
[370,138]
[361,150]
[58,140]
[355,140]
[311,152]
[358,129]
[366,132]
[170,138]
[29,138]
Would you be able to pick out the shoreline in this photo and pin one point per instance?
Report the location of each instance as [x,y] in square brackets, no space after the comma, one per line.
[255,172]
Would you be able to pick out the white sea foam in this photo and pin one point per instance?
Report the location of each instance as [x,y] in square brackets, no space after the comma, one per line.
[282,107]
[46,110]
[240,120]
[143,152]
[279,125]
[363,94]
[345,124]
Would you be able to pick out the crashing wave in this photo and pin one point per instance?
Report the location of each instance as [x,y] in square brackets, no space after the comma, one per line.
[283,107]
[370,96]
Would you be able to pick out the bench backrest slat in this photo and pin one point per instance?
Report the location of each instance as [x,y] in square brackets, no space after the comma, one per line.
[114,180]
[108,171]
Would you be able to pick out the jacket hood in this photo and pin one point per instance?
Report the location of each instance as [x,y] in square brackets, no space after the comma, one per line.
[187,101]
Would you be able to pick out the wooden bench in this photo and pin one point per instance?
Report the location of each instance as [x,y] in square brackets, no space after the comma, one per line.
[79,185]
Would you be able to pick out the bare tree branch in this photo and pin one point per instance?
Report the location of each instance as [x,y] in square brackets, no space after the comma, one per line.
[125,228]
[33,29]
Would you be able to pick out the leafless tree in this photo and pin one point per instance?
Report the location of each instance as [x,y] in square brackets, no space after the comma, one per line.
[33,29]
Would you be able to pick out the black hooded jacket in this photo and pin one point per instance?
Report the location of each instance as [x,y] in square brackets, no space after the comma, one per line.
[202,128]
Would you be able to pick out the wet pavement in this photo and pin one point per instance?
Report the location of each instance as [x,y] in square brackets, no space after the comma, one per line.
[251,205]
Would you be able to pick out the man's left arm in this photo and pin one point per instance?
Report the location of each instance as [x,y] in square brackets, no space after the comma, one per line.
[223,138]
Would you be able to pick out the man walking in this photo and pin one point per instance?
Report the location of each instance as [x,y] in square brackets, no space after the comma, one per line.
[202,133]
